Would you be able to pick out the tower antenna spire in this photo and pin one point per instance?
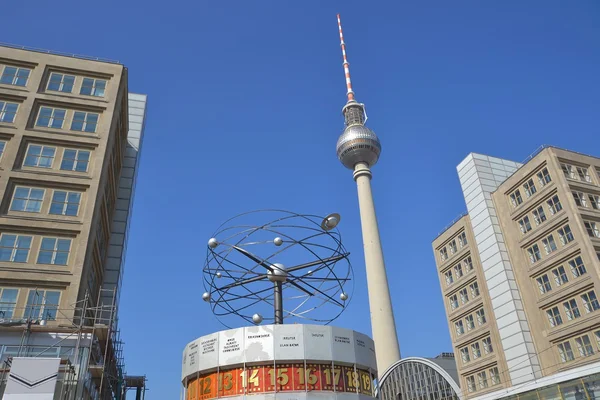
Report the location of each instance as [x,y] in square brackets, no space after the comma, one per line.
[346,64]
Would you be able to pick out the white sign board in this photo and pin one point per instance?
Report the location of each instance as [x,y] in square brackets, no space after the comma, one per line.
[32,379]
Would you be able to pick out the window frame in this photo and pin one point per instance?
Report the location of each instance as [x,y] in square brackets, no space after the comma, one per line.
[66,203]
[51,118]
[42,147]
[43,305]
[93,87]
[76,160]
[62,82]
[28,199]
[55,251]
[15,247]
[4,111]
[554,316]
[16,77]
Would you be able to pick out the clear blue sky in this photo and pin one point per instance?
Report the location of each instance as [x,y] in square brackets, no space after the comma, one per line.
[245,102]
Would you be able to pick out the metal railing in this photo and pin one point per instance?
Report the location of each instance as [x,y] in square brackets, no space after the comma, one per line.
[58,53]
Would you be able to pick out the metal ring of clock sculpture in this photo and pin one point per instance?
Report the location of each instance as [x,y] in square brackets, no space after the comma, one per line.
[293,264]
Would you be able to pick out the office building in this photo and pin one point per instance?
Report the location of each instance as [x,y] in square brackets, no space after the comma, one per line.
[519,273]
[70,137]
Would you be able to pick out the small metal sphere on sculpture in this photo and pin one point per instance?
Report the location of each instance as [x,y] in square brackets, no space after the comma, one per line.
[358,144]
[305,277]
[257,318]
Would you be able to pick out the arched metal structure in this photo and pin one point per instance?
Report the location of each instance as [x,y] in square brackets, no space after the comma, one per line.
[417,378]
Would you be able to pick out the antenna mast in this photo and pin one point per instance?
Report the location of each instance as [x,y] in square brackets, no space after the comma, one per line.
[346,63]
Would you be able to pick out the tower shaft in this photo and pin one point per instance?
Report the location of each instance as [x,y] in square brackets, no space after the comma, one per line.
[383,324]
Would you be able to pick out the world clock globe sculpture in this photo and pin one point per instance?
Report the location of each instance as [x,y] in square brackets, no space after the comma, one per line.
[285,276]
[271,266]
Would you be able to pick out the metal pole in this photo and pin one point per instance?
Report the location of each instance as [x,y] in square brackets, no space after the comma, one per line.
[278,302]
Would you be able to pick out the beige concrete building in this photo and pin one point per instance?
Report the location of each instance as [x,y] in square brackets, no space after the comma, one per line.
[527,256]
[70,136]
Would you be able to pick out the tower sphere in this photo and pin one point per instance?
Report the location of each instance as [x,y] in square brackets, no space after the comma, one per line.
[358,144]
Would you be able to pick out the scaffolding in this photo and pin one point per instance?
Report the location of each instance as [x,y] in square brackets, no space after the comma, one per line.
[86,338]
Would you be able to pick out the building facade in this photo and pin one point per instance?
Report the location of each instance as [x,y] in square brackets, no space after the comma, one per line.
[70,137]
[536,230]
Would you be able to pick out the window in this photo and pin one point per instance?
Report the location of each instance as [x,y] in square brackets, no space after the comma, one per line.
[538,215]
[544,177]
[453,302]
[577,267]
[529,188]
[51,117]
[476,350]
[54,251]
[15,76]
[565,234]
[449,277]
[544,284]
[554,317]
[494,376]
[462,240]
[591,228]
[14,248]
[93,87]
[27,199]
[583,174]
[584,346]
[464,354]
[8,302]
[554,205]
[590,302]
[464,297]
[474,289]
[65,203]
[39,156]
[595,201]
[471,384]
[42,304]
[61,82]
[84,122]
[482,378]
[534,253]
[458,270]
[515,198]
[580,199]
[470,322]
[468,264]
[453,248]
[560,276]
[487,345]
[549,244]
[524,224]
[458,325]
[2,147]
[443,254]
[568,171]
[8,111]
[565,351]
[571,309]
[75,160]
[481,316]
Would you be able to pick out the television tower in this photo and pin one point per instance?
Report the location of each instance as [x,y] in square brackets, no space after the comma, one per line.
[358,148]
